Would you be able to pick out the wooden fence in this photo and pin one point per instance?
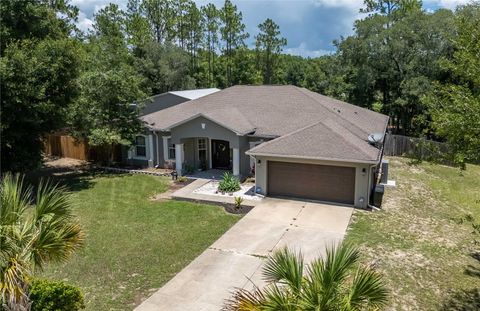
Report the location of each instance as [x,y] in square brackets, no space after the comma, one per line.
[65,146]
[398,145]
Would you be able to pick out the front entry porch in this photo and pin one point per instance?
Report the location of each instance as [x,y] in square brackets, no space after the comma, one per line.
[212,174]
[204,156]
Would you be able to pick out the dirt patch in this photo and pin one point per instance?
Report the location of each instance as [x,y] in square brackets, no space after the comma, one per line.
[416,241]
[173,186]
[63,163]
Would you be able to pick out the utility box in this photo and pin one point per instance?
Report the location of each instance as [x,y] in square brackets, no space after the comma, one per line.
[384,176]
[378,195]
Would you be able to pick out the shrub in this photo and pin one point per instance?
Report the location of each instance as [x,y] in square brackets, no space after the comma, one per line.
[229,183]
[188,169]
[49,295]
[238,202]
[182,179]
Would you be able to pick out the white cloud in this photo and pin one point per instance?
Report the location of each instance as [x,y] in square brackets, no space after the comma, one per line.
[347,4]
[84,23]
[448,4]
[303,50]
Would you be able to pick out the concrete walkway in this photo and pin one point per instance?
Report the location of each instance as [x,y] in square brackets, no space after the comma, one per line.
[239,254]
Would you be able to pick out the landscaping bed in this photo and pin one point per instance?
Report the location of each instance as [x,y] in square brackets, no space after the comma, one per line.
[247,191]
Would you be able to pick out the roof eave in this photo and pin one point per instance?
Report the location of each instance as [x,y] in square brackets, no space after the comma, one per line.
[311,158]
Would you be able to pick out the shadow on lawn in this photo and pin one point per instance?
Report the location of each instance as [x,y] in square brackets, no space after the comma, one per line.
[474,270]
[74,179]
[466,300]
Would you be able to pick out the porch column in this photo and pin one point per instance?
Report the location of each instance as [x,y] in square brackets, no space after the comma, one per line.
[150,151]
[236,161]
[178,158]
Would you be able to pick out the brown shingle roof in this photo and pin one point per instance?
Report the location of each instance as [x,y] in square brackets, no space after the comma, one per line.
[321,140]
[274,111]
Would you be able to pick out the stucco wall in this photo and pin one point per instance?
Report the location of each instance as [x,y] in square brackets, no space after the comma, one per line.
[162,101]
[151,150]
[212,130]
[361,178]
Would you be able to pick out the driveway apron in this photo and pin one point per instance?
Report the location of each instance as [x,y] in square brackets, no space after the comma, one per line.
[236,258]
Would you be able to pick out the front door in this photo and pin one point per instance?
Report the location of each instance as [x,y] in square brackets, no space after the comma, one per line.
[220,154]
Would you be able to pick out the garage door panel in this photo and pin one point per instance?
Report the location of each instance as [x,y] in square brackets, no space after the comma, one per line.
[316,182]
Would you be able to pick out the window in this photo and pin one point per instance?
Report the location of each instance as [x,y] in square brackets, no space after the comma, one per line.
[202,153]
[171,149]
[140,146]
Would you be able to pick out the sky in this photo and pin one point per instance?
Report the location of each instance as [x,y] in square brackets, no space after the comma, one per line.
[310,26]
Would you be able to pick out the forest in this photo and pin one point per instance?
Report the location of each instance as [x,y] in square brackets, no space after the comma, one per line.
[419,67]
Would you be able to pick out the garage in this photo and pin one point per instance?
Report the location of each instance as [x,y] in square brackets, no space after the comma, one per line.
[311,181]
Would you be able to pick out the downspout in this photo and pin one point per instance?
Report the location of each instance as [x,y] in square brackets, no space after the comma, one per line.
[370,171]
[255,188]
[370,189]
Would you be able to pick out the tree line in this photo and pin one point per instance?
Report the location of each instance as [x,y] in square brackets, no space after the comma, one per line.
[401,60]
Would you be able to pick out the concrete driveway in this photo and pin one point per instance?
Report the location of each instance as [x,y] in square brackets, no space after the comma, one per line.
[238,255]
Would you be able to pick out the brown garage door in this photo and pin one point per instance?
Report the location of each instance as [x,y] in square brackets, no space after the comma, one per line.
[309,181]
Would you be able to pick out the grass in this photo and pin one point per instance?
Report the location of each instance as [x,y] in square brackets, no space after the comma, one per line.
[134,245]
[421,241]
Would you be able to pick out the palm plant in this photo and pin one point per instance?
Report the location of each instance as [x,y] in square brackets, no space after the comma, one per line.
[334,282]
[34,230]
[229,183]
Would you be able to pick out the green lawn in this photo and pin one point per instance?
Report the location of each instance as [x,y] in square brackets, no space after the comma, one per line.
[133,245]
[419,241]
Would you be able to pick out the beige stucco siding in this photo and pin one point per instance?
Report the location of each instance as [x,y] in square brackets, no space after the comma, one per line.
[361,177]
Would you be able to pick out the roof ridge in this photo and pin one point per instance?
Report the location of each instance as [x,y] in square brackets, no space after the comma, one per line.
[267,143]
[301,90]
[237,112]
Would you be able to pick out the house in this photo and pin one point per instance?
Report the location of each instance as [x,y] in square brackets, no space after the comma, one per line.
[296,142]
[145,146]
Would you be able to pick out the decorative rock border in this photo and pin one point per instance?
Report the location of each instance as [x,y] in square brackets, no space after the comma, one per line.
[124,170]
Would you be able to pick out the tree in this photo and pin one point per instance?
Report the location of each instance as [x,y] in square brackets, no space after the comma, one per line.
[392,60]
[136,25]
[268,46]
[160,15]
[455,104]
[245,71]
[31,236]
[38,68]
[195,34]
[165,67]
[211,21]
[35,19]
[109,85]
[333,282]
[233,35]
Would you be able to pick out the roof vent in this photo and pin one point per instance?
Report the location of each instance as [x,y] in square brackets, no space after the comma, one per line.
[375,138]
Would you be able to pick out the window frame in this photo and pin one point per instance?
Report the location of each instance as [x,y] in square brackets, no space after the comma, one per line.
[136,146]
[171,148]
[204,148]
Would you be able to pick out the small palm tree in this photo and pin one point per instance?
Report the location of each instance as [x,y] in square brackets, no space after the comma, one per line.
[32,235]
[335,282]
